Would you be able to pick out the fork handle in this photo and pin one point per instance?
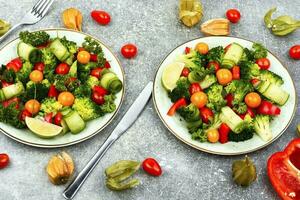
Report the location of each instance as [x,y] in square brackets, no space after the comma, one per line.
[9,31]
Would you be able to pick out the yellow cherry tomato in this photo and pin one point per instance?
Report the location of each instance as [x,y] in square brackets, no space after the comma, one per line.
[33,106]
[213,135]
[36,76]
[202,48]
[199,99]
[253,100]
[66,98]
[224,76]
[83,57]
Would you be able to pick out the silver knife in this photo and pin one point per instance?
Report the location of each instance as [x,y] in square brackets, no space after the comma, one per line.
[129,118]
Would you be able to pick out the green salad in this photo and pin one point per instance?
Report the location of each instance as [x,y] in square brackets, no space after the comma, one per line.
[55,86]
[225,94]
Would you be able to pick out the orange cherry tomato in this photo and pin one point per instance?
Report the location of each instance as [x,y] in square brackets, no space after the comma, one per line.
[253,100]
[66,98]
[224,76]
[202,48]
[32,106]
[199,99]
[36,76]
[213,135]
[83,57]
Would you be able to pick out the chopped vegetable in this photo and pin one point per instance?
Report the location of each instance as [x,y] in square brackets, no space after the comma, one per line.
[86,108]
[215,97]
[181,90]
[262,127]
[50,105]
[193,60]
[4,27]
[244,172]
[190,12]
[72,18]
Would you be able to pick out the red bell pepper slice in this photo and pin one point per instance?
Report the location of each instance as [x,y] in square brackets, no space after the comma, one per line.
[179,103]
[236,75]
[187,50]
[284,169]
[224,131]
[229,99]
[52,92]
[10,101]
[206,114]
[267,108]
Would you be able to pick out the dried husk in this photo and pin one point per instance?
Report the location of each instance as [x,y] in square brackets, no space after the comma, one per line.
[4,27]
[190,12]
[218,26]
[72,19]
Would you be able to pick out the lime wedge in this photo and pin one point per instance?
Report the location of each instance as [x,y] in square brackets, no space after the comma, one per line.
[42,129]
[171,74]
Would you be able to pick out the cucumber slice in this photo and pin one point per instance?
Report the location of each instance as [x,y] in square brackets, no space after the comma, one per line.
[73,69]
[29,52]
[229,117]
[64,126]
[13,90]
[74,122]
[65,111]
[104,82]
[276,94]
[263,86]
[232,56]
[59,50]
[208,81]
[2,97]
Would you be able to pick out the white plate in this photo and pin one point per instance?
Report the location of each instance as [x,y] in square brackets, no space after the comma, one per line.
[93,127]
[178,128]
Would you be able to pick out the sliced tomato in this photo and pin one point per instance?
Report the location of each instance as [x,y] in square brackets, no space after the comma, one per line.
[224,131]
[249,112]
[25,113]
[236,75]
[39,66]
[267,108]
[185,72]
[179,103]
[57,118]
[206,114]
[94,57]
[229,99]
[107,65]
[10,101]
[102,91]
[96,72]
[254,81]
[187,50]
[194,87]
[5,84]
[53,92]
[48,117]
[227,47]
[18,62]
[12,66]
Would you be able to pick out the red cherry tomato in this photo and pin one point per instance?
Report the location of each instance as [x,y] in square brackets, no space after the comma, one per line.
[10,101]
[48,117]
[254,81]
[179,103]
[194,87]
[233,15]
[25,113]
[96,72]
[39,66]
[5,84]
[52,92]
[187,50]
[151,166]
[206,114]
[129,50]
[263,63]
[295,52]
[185,72]
[93,57]
[227,47]
[235,73]
[57,118]
[267,108]
[102,91]
[101,17]
[12,66]
[107,65]
[98,98]
[229,99]
[213,64]
[62,68]
[224,130]
[4,160]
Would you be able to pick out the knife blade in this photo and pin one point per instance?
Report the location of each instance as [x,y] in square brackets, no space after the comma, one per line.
[128,119]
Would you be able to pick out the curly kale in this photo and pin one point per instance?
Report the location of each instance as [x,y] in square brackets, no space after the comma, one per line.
[7,75]
[215,97]
[199,135]
[189,113]
[215,54]
[10,115]
[83,90]
[259,51]
[50,61]
[94,47]
[181,90]
[23,74]
[70,45]
[37,91]
[34,38]
[109,106]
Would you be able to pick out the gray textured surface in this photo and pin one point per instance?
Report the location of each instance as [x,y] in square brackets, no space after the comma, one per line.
[188,174]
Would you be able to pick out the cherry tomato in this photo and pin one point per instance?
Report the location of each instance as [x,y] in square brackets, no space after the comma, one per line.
[94,57]
[252,100]
[267,108]
[4,160]
[206,114]
[194,87]
[227,47]
[202,48]
[52,92]
[199,99]
[213,64]
[98,98]
[48,117]
[25,113]
[100,90]
[33,106]
[185,72]
[224,76]
[4,83]
[97,72]
[15,100]
[36,76]
[213,135]
[187,50]
[83,57]
[101,17]
[263,63]
[39,66]
[62,68]
[107,65]
[236,73]
[224,130]
[129,50]
[57,118]
[12,66]
[15,64]
[151,166]
[233,15]
[66,98]
[229,99]
[254,81]
[295,52]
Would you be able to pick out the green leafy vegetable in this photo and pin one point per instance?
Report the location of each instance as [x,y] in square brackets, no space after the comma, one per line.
[10,115]
[83,90]
[199,135]
[189,113]
[193,59]
[215,97]
[249,70]
[86,108]
[7,75]
[216,54]
[259,51]
[34,38]
[70,45]
[23,74]
[94,47]
[181,90]
[38,91]
[50,105]
[239,89]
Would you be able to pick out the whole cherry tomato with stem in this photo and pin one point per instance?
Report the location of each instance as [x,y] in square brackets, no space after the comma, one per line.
[101,17]
[4,160]
[194,87]
[129,50]
[233,15]
[62,68]
[295,52]
[263,63]
[185,72]
[98,98]
[151,166]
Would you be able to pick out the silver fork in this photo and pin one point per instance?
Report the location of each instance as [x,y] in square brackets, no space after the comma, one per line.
[37,12]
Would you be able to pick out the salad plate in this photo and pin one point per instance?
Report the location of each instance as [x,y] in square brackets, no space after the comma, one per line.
[92,127]
[178,126]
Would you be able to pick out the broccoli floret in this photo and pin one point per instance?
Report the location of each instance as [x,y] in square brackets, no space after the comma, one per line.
[259,51]
[50,61]
[266,75]
[189,113]
[92,81]
[193,59]
[23,74]
[198,74]
[215,123]
[35,38]
[109,106]
[37,91]
[215,54]
[240,107]
[94,47]
[262,126]
[181,90]
[10,115]
[83,90]
[194,126]
[249,70]
[70,45]
[248,55]
[246,134]
[83,71]
[208,81]
[7,75]
[199,135]
[50,105]
[239,89]
[86,108]
[215,97]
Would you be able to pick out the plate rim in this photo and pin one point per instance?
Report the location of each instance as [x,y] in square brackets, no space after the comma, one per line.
[98,130]
[214,152]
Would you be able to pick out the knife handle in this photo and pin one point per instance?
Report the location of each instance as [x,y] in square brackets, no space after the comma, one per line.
[73,188]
